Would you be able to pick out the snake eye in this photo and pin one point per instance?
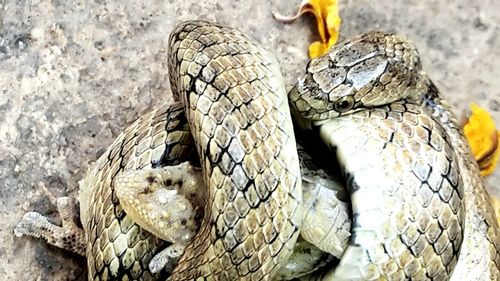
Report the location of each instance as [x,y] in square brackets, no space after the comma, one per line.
[344,104]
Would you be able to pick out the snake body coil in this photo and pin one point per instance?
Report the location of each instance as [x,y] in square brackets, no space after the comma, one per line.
[235,101]
[117,248]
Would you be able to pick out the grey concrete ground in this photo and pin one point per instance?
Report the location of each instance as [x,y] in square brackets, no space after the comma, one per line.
[75,73]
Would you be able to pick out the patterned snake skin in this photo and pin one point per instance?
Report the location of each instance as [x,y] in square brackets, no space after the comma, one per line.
[420,211]
[117,248]
[237,108]
[415,189]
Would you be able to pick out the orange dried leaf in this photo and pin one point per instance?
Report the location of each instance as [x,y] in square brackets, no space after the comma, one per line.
[483,139]
[328,21]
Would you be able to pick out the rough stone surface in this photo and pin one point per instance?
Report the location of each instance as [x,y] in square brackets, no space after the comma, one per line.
[74,73]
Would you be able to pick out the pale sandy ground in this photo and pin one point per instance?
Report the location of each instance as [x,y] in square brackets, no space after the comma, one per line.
[75,73]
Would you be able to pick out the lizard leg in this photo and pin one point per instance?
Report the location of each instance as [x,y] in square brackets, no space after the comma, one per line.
[68,236]
[325,231]
[166,202]
[327,222]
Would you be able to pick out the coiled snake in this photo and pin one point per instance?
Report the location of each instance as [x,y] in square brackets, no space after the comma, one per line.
[419,208]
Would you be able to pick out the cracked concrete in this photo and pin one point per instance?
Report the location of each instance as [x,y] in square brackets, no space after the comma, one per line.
[74,73]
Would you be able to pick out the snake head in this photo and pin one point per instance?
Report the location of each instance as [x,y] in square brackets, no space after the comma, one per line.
[371,70]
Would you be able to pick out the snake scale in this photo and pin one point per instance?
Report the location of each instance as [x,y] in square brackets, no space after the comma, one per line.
[420,211]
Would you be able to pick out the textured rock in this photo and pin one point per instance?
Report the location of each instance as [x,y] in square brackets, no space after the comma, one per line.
[73,74]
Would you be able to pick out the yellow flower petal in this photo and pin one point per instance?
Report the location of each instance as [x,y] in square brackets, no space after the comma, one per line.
[495,202]
[483,139]
[489,164]
[328,22]
[316,49]
[333,22]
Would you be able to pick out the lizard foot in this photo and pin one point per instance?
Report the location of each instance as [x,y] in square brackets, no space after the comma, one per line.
[68,236]
[169,256]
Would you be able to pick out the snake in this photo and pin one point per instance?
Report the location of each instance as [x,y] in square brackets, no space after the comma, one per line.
[419,207]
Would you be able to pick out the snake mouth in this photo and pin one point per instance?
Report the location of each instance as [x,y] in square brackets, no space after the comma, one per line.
[300,122]
[309,104]
[303,110]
